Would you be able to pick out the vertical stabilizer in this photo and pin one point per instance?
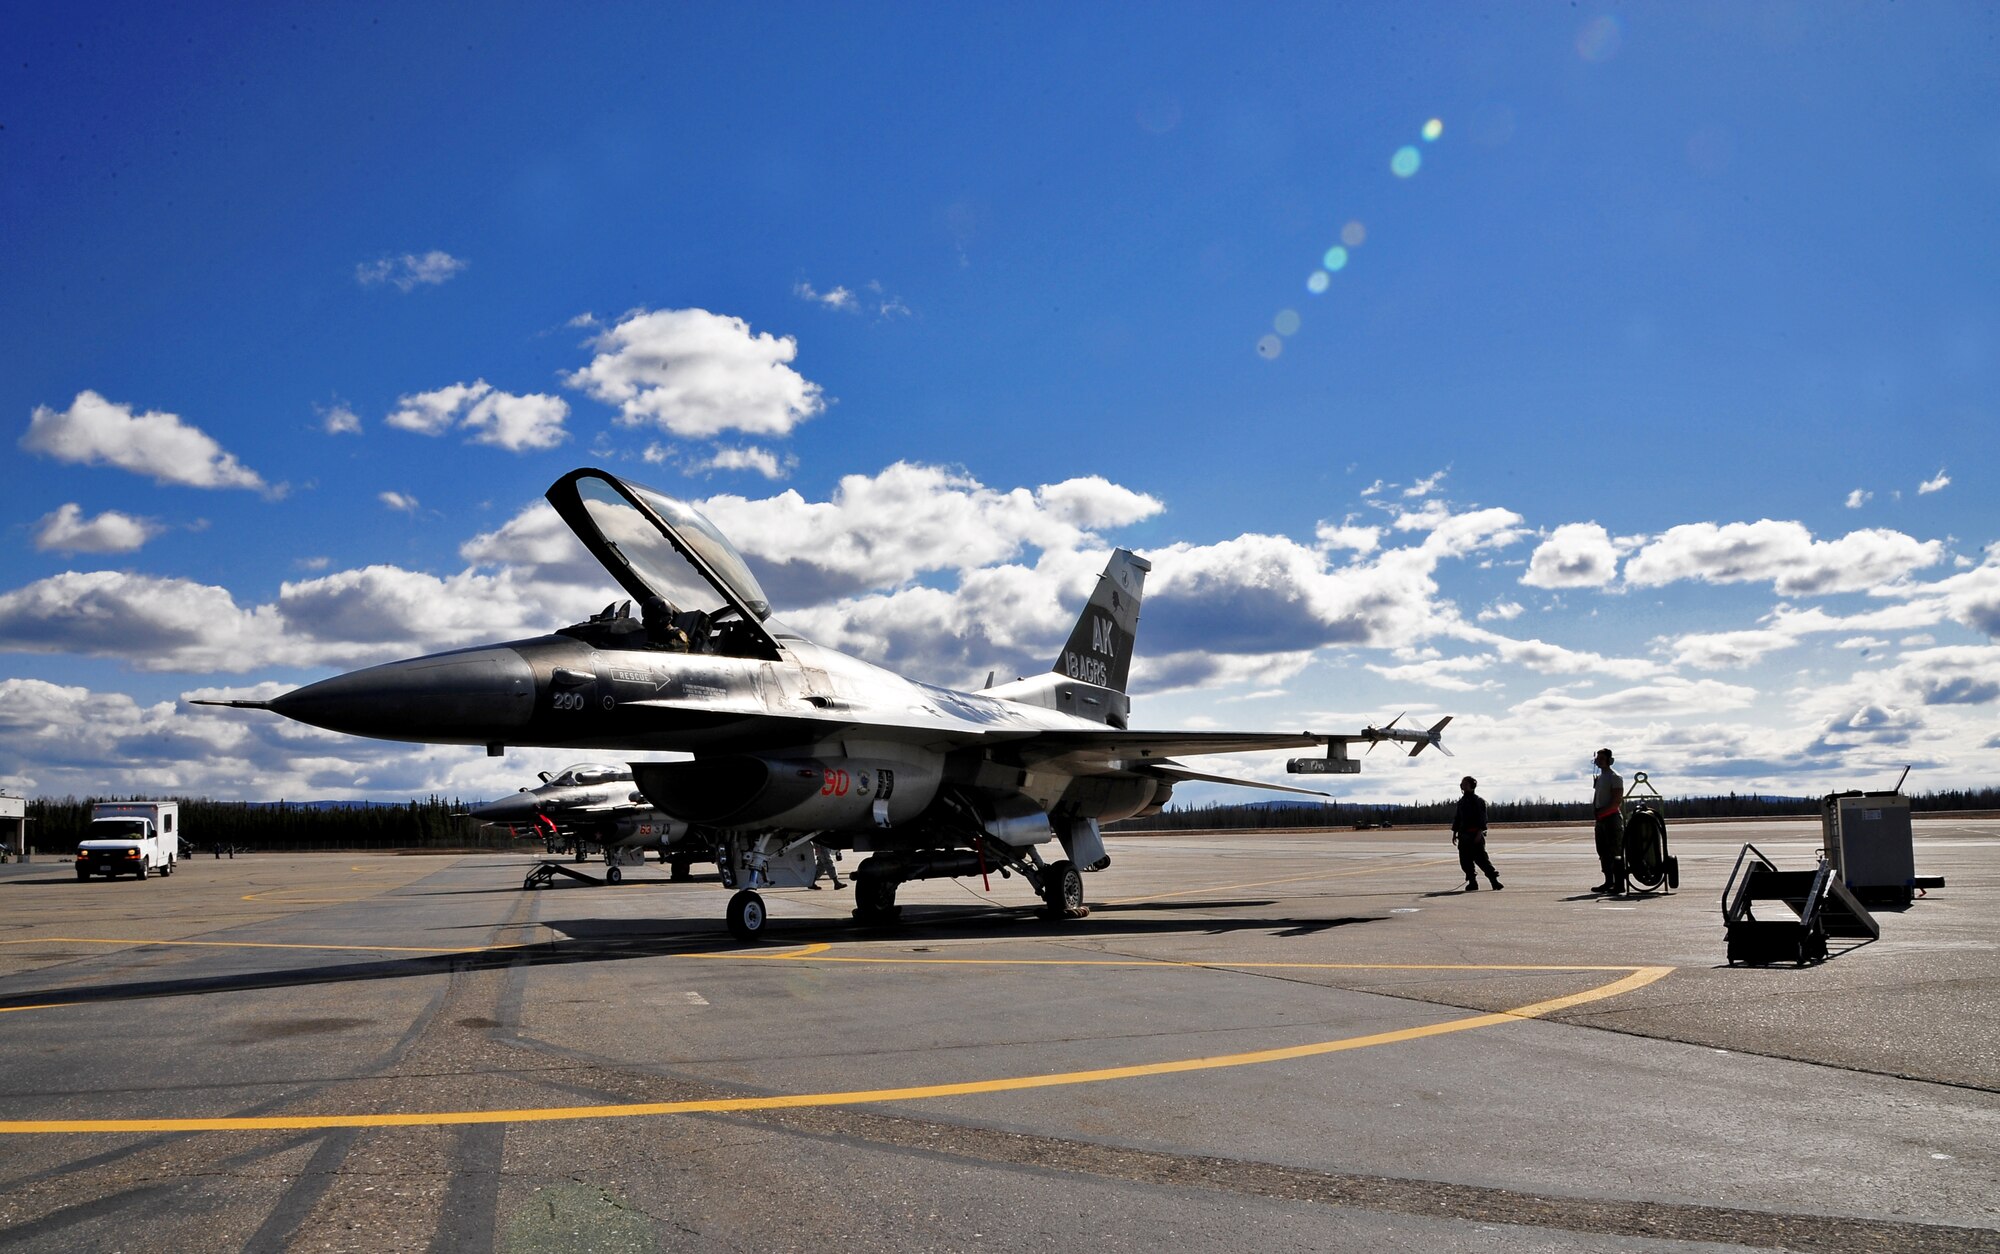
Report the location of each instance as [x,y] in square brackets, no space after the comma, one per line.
[1100,648]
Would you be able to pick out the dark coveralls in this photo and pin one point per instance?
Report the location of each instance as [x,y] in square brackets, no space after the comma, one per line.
[1607,792]
[1468,824]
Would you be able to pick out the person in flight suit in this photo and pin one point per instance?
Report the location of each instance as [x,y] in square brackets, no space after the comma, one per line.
[1468,832]
[1607,794]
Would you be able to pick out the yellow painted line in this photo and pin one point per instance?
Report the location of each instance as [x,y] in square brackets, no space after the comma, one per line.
[194,944]
[1637,977]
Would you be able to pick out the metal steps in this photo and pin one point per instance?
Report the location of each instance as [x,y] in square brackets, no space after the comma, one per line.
[1771,915]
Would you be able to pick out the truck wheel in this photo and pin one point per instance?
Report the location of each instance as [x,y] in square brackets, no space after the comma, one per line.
[169,868]
[82,874]
[142,871]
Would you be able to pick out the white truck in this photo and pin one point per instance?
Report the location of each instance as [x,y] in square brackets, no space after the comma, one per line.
[136,838]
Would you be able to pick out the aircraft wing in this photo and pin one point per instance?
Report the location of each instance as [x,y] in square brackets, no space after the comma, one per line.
[1114,749]
[1180,774]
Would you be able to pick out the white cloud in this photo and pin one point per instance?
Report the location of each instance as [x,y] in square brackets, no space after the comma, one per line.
[517,423]
[68,531]
[148,622]
[1783,553]
[1576,555]
[409,271]
[379,606]
[1553,659]
[883,530]
[872,298]
[1500,611]
[1936,483]
[398,501]
[94,431]
[339,420]
[838,298]
[1446,673]
[501,419]
[1426,486]
[750,457]
[1864,643]
[1094,503]
[1729,649]
[1859,497]
[1668,695]
[696,374]
[1346,535]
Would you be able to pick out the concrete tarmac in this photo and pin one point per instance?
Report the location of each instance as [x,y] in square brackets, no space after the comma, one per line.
[1299,1041]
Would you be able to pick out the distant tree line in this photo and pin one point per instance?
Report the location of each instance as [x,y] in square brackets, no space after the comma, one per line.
[56,825]
[1532,810]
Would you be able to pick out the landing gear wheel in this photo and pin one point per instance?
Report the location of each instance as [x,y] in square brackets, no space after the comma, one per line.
[582,854]
[875,902]
[680,869]
[612,875]
[1062,889]
[746,916]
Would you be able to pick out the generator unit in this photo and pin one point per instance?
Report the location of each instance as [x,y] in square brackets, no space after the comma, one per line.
[1866,836]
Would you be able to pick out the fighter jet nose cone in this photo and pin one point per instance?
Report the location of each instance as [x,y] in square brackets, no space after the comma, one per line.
[477,696]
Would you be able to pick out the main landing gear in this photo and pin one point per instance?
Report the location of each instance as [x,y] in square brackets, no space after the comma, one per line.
[1062,890]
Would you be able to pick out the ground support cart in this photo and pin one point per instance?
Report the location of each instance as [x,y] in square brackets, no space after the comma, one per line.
[545,873]
[1785,916]
[1649,866]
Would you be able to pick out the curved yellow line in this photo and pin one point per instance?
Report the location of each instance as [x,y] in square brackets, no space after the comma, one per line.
[1638,977]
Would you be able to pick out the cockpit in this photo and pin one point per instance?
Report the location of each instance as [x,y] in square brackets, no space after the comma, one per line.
[584,774]
[693,590]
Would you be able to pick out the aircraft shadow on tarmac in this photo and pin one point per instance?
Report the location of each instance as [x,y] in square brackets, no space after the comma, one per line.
[614,940]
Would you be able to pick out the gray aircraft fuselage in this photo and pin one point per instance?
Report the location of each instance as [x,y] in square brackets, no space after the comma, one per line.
[793,743]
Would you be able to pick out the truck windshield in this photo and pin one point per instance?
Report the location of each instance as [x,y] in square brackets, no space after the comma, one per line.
[117,829]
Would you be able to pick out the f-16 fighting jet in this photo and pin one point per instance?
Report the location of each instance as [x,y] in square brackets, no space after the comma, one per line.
[794,744]
[596,804]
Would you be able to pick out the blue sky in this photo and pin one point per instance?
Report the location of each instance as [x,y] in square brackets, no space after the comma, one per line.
[1654,407]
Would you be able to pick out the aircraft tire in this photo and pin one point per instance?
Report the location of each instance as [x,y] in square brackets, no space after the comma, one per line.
[747,916]
[612,875]
[679,869]
[875,902]
[1063,886]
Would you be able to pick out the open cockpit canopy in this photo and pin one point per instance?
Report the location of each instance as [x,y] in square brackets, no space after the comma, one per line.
[587,773]
[694,590]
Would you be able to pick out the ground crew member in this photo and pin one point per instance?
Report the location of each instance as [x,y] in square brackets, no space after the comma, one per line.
[1468,832]
[1607,794]
[823,865]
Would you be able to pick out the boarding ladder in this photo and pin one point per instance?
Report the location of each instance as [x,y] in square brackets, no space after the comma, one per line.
[1777,916]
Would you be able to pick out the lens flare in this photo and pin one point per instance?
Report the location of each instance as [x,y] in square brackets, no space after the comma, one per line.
[1353,234]
[1287,322]
[1433,129]
[1335,259]
[1269,347]
[1406,162]
[1318,282]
